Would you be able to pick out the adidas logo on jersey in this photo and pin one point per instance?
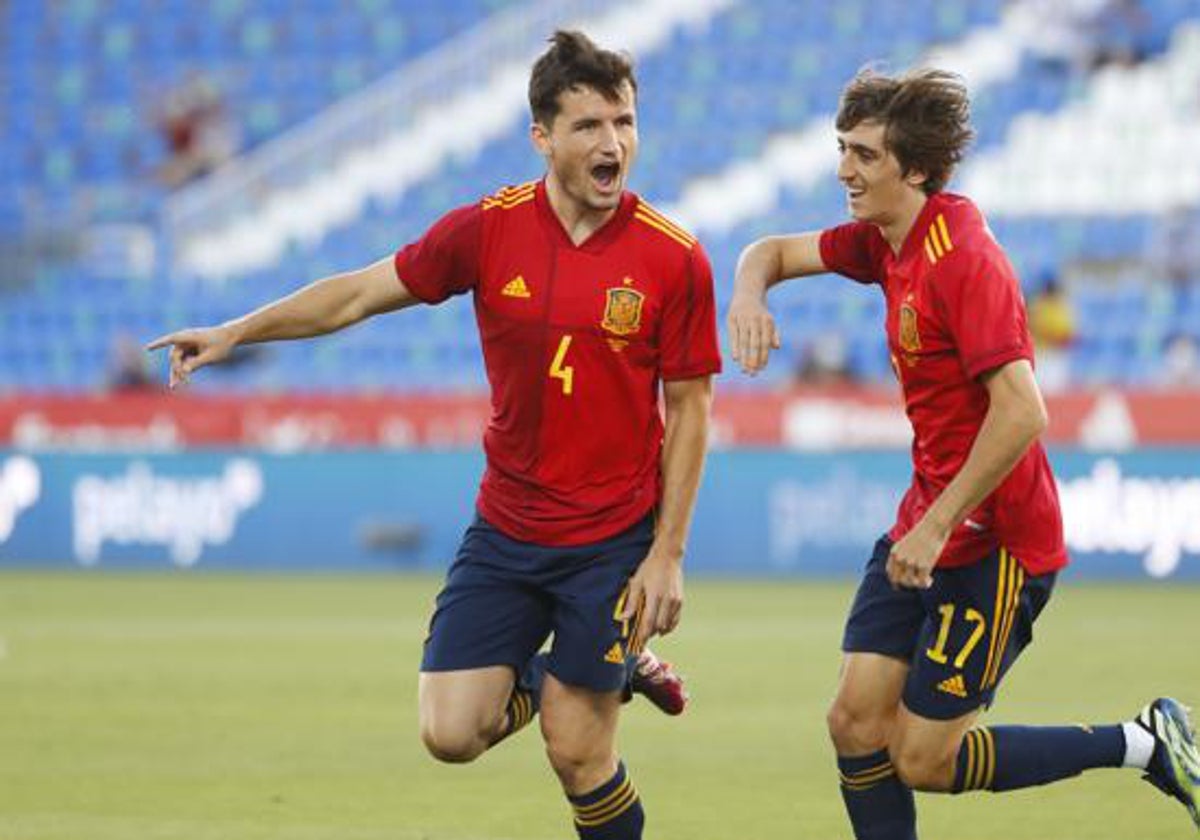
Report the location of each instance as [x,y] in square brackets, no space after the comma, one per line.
[955,685]
[516,288]
[615,655]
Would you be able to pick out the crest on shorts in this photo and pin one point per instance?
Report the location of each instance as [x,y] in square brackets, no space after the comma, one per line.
[910,339]
[623,310]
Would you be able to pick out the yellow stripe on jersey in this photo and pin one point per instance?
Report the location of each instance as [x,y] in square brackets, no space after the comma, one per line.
[941,225]
[511,196]
[932,238]
[489,204]
[653,212]
[509,192]
[929,251]
[645,218]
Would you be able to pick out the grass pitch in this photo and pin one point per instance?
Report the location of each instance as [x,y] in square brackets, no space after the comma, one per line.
[201,707]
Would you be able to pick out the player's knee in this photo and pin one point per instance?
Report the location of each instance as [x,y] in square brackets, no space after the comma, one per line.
[923,769]
[573,760]
[452,744]
[855,732]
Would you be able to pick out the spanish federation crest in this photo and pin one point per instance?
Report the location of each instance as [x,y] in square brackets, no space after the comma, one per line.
[623,311]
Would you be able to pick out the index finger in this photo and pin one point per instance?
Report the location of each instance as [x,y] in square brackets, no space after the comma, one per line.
[735,338]
[631,601]
[162,341]
[648,626]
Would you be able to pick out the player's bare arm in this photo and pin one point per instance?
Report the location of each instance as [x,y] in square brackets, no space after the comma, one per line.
[321,307]
[1016,416]
[658,582]
[752,330]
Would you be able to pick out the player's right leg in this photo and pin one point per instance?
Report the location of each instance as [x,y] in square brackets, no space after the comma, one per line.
[480,678]
[462,713]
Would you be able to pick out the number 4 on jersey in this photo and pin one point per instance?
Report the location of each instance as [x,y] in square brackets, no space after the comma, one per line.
[558,370]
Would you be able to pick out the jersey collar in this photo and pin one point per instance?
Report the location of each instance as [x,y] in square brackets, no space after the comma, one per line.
[933,205]
[600,238]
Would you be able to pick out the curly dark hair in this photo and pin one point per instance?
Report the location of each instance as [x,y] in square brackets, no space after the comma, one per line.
[572,61]
[926,116]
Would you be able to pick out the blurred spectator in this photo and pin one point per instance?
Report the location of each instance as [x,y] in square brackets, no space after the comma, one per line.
[1175,247]
[1120,32]
[824,360]
[127,366]
[1180,362]
[198,131]
[1080,35]
[1052,324]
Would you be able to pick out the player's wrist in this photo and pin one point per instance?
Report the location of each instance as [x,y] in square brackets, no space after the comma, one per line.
[234,332]
[939,523]
[667,553]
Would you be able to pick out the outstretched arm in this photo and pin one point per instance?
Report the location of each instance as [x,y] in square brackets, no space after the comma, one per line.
[321,307]
[752,331]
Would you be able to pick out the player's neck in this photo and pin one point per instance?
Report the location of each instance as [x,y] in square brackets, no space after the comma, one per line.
[900,221]
[578,220]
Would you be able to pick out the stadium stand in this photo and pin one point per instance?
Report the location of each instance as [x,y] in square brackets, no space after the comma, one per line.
[89,254]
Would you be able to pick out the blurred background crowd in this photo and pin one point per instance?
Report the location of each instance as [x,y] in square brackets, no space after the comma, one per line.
[167,164]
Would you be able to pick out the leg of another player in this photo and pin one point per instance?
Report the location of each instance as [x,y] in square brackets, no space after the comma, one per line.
[956,756]
[861,722]
[580,728]
[462,713]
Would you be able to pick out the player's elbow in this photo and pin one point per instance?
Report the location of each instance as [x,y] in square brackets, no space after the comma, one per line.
[1040,417]
[1032,418]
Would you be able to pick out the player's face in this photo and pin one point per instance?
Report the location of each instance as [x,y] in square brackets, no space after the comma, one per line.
[590,146]
[876,188]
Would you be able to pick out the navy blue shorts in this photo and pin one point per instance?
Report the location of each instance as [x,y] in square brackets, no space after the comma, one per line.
[503,598]
[959,636]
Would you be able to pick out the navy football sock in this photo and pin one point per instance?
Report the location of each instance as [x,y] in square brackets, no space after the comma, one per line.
[526,698]
[879,805]
[1002,758]
[612,811]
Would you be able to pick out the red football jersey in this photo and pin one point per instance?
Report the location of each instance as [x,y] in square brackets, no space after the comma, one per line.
[575,340]
[954,312]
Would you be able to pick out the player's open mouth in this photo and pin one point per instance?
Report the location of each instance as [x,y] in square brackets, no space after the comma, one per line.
[853,192]
[605,175]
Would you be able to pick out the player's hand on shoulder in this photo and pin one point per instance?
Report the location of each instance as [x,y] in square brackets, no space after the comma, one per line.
[752,333]
[192,349]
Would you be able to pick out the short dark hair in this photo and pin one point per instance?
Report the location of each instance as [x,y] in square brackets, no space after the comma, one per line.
[572,61]
[926,116]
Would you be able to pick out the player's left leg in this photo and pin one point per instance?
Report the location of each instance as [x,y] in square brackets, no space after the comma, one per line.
[579,726]
[957,756]
[586,674]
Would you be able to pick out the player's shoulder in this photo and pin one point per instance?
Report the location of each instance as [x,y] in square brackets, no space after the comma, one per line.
[955,231]
[661,228]
[510,197]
